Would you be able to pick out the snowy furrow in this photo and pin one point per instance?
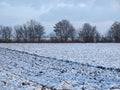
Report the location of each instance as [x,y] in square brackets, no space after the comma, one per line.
[52,73]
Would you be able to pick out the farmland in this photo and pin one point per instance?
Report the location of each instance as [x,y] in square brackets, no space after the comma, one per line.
[107,55]
[59,66]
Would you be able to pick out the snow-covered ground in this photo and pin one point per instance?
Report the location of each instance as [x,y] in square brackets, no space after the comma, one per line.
[107,55]
[23,71]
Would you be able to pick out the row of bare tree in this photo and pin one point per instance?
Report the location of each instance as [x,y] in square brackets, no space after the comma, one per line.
[30,32]
[63,31]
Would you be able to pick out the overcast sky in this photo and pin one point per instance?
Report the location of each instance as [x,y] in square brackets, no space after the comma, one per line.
[101,13]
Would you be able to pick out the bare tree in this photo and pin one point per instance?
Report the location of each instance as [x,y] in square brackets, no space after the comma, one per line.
[39,31]
[89,33]
[97,37]
[30,31]
[64,30]
[1,27]
[53,37]
[19,33]
[6,33]
[35,30]
[114,32]
[108,36]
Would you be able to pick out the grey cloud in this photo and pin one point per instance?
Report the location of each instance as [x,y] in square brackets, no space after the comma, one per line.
[51,11]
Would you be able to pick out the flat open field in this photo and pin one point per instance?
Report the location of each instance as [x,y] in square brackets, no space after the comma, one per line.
[59,66]
[107,55]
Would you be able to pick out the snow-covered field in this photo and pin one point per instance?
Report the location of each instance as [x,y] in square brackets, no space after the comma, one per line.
[107,55]
[60,66]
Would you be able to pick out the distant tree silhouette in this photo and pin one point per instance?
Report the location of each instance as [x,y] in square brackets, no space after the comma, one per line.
[53,37]
[64,30]
[30,31]
[97,37]
[6,33]
[89,33]
[114,32]
[35,30]
[20,33]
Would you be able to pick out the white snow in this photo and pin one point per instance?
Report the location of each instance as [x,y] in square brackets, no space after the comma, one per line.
[37,65]
[107,55]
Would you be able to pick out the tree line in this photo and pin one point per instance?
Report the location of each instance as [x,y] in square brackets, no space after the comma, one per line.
[63,32]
